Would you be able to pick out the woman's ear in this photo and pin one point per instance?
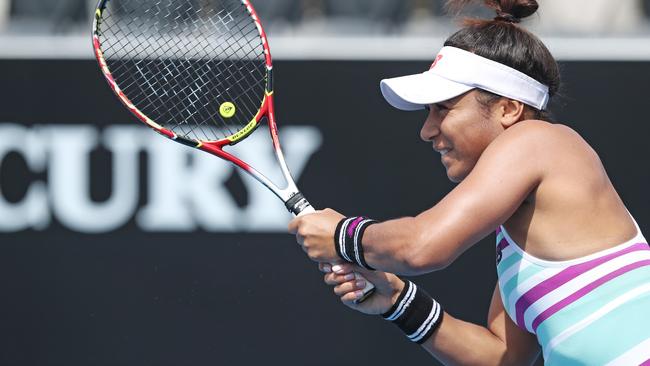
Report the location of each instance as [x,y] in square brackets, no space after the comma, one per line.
[509,111]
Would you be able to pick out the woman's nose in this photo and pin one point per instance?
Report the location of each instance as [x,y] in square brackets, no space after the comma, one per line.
[429,129]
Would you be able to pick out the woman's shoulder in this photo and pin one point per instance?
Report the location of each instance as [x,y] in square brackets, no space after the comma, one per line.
[550,147]
[538,134]
[542,144]
[539,128]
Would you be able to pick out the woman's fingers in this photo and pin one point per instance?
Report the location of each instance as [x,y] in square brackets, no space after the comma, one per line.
[342,268]
[325,267]
[339,268]
[350,297]
[349,286]
[336,279]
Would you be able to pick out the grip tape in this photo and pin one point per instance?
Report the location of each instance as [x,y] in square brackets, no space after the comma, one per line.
[297,203]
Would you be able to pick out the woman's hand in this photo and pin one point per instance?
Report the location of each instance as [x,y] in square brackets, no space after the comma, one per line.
[387,287]
[315,233]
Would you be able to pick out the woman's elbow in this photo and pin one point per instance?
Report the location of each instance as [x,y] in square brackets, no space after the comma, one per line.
[421,261]
[418,254]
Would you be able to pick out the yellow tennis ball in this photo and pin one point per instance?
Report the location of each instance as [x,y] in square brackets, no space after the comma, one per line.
[227,110]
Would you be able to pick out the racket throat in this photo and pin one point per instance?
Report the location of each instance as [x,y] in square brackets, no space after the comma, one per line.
[297,203]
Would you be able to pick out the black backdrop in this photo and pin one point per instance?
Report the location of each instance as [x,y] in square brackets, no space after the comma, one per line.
[135,297]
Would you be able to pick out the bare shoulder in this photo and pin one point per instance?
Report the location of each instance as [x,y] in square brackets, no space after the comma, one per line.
[542,132]
[544,140]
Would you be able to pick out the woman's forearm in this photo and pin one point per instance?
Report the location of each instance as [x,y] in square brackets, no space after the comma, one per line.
[458,342]
[401,246]
[418,316]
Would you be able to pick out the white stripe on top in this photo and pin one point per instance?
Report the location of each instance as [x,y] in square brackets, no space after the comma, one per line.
[604,310]
[531,282]
[515,269]
[579,282]
[635,356]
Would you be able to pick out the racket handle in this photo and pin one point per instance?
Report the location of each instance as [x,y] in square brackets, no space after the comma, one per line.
[370,288]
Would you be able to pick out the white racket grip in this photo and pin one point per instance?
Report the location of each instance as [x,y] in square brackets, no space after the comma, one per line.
[369,289]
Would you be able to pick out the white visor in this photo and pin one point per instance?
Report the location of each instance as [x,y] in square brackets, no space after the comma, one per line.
[457,71]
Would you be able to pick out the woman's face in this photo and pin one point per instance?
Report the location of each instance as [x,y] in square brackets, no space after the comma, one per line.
[460,129]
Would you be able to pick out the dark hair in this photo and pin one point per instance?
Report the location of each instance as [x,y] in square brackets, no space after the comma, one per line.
[502,40]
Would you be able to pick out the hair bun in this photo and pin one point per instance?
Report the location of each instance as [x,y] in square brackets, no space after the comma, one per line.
[513,10]
[506,17]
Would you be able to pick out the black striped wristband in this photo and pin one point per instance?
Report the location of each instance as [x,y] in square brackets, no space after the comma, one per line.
[416,313]
[347,239]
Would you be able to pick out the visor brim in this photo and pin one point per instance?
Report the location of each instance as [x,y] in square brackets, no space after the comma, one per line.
[414,92]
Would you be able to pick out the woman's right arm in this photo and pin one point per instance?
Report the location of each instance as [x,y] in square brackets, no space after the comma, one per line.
[455,342]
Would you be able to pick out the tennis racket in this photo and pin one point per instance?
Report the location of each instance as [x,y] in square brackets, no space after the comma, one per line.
[198,72]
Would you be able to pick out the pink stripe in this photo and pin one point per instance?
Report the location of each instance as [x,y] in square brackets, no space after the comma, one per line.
[585,290]
[552,283]
[353,225]
[646,363]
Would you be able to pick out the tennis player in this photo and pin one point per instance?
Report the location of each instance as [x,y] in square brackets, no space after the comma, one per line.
[573,267]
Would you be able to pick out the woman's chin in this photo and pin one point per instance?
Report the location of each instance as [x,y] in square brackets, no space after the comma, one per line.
[454,179]
[454,175]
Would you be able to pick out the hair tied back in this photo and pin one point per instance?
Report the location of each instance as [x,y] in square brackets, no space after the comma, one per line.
[505,17]
[509,11]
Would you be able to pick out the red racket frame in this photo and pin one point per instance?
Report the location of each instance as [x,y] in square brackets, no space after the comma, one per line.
[290,195]
[215,147]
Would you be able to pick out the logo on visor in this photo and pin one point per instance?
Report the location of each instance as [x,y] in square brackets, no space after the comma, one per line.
[438,58]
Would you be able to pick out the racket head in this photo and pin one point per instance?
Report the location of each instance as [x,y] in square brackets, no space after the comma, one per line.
[196,71]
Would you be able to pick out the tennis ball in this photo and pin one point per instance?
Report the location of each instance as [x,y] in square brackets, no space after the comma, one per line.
[227,110]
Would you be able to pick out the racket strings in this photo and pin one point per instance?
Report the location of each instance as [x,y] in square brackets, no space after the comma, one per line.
[179,61]
[192,90]
[228,76]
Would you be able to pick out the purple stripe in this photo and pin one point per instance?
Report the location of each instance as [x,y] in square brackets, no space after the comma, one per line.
[353,225]
[552,283]
[502,244]
[585,290]
[646,363]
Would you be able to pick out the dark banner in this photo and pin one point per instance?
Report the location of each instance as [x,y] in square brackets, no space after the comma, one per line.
[118,247]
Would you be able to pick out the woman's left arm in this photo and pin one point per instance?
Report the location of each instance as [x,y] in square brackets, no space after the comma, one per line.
[507,172]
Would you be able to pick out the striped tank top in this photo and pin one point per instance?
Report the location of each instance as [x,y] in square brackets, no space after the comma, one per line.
[593,310]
